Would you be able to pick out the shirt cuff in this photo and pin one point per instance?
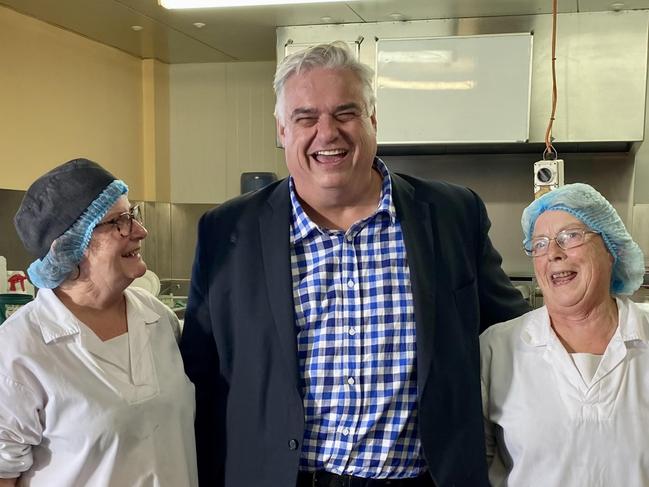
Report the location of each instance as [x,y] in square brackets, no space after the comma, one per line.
[14,459]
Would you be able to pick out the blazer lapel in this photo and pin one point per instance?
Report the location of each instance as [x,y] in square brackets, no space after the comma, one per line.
[417,226]
[274,227]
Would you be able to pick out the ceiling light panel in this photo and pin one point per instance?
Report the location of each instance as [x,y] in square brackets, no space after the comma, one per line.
[185,4]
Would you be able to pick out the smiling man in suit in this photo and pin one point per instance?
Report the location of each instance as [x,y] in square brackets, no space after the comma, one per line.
[333,319]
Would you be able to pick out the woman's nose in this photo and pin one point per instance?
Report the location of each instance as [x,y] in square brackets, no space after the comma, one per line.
[554,251]
[138,231]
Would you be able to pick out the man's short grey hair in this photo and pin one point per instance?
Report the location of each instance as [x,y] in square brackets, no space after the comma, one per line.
[335,55]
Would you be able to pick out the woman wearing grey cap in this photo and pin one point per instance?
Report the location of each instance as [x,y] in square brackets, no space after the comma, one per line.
[565,387]
[92,388]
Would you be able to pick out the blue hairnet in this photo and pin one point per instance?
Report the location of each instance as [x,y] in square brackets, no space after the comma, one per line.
[586,204]
[67,250]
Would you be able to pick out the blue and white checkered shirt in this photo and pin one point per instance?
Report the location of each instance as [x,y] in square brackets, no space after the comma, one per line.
[356,344]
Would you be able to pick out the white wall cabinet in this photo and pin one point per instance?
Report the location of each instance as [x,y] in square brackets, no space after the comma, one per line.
[222,124]
[601,68]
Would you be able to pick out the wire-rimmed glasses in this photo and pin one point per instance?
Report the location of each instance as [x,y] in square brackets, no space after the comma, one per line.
[568,238]
[124,221]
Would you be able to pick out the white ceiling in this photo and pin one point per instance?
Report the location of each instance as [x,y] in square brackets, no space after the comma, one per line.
[248,33]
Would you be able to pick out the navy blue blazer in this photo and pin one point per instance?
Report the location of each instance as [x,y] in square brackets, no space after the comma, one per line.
[239,339]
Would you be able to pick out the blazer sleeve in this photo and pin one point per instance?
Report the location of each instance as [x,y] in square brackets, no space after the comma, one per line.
[201,361]
[499,300]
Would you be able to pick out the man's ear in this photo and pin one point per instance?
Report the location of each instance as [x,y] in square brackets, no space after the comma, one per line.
[281,131]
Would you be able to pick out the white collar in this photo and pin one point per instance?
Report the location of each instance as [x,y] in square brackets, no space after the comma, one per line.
[633,325]
[56,321]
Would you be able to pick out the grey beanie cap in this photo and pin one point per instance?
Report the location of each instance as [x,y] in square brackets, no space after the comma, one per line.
[56,200]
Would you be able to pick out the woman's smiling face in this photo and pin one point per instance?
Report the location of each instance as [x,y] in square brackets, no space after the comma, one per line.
[578,278]
[111,258]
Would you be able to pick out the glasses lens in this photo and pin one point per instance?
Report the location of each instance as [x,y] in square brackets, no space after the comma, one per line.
[136,214]
[539,246]
[123,223]
[568,239]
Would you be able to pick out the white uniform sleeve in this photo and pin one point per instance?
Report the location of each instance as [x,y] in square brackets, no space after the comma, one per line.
[485,366]
[490,437]
[175,324]
[20,427]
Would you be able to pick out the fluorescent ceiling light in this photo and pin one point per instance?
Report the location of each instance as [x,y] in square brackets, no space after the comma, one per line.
[179,4]
[385,82]
[423,56]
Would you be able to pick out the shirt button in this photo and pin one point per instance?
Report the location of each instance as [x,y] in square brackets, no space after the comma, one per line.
[292,444]
[345,431]
[350,283]
[351,381]
[352,331]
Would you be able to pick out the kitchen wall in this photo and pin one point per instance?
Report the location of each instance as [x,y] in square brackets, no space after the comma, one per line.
[10,246]
[168,249]
[640,225]
[155,131]
[222,124]
[505,183]
[181,133]
[64,96]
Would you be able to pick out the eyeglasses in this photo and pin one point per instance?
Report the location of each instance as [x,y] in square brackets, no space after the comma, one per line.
[565,239]
[124,221]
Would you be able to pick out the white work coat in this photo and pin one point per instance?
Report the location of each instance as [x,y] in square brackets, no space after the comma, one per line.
[548,427]
[68,418]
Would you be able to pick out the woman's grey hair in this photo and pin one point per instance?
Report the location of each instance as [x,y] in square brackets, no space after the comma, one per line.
[335,55]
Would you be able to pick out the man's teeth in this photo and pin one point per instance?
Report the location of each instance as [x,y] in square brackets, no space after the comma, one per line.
[333,152]
[133,253]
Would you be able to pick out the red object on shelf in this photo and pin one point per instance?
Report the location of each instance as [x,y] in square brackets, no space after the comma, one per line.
[16,279]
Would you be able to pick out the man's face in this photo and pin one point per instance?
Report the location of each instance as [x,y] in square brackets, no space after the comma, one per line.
[328,136]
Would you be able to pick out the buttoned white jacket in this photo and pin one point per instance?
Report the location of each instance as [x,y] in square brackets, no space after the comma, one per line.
[69,417]
[546,426]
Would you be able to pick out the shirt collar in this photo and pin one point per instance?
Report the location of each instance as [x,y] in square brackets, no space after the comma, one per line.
[302,226]
[53,318]
[537,331]
[56,321]
[633,323]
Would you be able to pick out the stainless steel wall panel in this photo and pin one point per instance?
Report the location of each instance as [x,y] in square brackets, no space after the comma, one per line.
[10,245]
[184,220]
[157,246]
[505,183]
